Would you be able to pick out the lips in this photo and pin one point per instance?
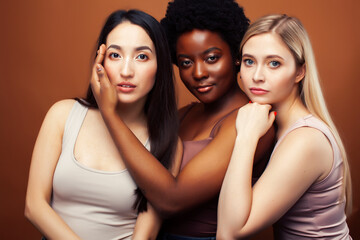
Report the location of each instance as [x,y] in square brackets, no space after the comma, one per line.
[258,91]
[126,87]
[204,88]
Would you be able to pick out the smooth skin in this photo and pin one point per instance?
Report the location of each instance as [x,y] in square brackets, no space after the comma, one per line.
[269,75]
[204,62]
[94,147]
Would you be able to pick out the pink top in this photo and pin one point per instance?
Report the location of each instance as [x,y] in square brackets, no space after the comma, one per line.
[200,221]
[319,213]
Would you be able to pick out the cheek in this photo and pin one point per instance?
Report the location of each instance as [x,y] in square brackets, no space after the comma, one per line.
[149,74]
[223,68]
[245,76]
[185,75]
[284,79]
[110,69]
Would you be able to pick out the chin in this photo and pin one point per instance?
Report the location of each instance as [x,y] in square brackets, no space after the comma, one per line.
[259,101]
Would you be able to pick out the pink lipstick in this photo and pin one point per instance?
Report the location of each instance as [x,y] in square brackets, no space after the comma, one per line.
[258,91]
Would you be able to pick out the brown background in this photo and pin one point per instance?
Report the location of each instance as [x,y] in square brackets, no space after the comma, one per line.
[46,50]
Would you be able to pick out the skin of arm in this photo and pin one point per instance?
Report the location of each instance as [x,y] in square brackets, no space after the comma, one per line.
[44,159]
[244,210]
[148,223]
[200,179]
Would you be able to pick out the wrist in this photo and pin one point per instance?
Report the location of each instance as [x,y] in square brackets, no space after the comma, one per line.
[246,139]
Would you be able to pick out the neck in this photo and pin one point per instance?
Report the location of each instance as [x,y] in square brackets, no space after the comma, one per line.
[288,113]
[132,114]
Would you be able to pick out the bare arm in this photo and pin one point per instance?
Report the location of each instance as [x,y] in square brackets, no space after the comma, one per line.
[148,223]
[244,210]
[44,159]
[199,181]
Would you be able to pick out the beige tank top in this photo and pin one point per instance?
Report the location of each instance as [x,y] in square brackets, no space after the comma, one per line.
[95,204]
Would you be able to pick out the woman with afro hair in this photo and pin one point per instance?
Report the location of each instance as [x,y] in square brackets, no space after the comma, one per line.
[204,38]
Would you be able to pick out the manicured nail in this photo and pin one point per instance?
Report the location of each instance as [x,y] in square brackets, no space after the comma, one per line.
[250,101]
[275,113]
[98,68]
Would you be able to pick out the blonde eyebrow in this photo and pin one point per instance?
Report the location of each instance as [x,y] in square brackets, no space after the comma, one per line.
[267,57]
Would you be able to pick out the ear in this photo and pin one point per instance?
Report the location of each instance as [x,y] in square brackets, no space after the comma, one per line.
[300,73]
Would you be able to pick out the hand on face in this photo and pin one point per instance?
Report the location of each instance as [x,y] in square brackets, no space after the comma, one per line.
[254,120]
[104,92]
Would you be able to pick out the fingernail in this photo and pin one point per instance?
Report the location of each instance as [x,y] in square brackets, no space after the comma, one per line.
[250,101]
[275,113]
[98,68]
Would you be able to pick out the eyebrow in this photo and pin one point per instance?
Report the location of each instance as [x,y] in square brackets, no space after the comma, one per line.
[137,49]
[267,57]
[205,52]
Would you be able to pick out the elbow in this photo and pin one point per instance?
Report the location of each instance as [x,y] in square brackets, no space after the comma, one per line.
[228,232]
[167,209]
[28,212]
[224,235]
[31,209]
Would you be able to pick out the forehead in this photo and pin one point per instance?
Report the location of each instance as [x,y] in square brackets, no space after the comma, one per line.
[266,44]
[128,34]
[200,40]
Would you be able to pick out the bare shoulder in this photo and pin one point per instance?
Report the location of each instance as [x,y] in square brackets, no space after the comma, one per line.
[309,140]
[309,147]
[59,111]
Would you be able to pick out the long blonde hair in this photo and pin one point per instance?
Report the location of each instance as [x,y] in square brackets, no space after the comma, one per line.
[294,35]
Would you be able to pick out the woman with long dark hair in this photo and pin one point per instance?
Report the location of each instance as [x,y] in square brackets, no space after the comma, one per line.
[79,187]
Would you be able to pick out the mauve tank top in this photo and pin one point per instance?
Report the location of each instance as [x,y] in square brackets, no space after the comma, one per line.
[200,221]
[95,204]
[319,213]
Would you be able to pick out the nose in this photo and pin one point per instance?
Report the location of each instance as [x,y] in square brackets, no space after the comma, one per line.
[200,72]
[127,68]
[258,74]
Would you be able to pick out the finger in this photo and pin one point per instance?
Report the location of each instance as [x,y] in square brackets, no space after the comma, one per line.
[102,76]
[94,82]
[272,116]
[100,54]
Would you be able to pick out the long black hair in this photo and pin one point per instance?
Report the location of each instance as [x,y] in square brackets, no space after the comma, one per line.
[160,107]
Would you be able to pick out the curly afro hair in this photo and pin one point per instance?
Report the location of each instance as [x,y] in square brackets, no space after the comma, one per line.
[225,17]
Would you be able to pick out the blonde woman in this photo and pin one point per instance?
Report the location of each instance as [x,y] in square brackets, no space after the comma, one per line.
[305,189]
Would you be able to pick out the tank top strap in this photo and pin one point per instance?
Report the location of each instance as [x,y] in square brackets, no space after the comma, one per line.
[73,124]
[212,133]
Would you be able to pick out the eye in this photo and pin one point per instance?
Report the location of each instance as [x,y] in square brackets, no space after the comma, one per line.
[274,64]
[142,57]
[212,58]
[185,63]
[114,55]
[248,62]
